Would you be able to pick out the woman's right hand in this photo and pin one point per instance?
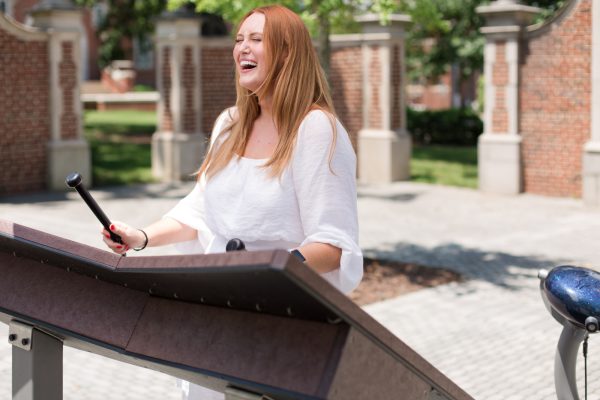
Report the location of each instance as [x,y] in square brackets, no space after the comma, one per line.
[131,237]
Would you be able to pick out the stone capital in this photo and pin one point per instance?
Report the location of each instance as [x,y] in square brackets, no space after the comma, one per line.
[179,24]
[505,13]
[396,24]
[178,29]
[57,16]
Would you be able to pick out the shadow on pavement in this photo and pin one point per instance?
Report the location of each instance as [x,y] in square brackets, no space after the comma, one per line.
[146,191]
[513,272]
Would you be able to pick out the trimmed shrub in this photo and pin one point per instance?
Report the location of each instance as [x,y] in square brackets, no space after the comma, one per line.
[456,126]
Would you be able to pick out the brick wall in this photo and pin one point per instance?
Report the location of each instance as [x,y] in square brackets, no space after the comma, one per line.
[346,86]
[21,8]
[500,80]
[374,84]
[68,83]
[218,84]
[167,117]
[189,90]
[396,120]
[441,94]
[24,113]
[555,105]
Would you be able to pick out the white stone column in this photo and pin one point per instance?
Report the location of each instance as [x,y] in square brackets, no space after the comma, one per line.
[384,145]
[178,146]
[68,151]
[591,151]
[499,147]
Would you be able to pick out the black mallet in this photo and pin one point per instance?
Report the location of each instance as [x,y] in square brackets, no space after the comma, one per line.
[235,245]
[74,181]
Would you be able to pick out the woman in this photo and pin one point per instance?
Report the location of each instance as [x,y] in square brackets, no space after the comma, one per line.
[280,170]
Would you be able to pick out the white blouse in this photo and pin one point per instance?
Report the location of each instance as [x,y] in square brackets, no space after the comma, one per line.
[313,201]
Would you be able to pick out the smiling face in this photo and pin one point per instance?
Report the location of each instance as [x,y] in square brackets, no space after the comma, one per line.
[249,53]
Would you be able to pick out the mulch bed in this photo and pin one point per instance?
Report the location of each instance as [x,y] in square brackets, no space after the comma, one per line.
[388,279]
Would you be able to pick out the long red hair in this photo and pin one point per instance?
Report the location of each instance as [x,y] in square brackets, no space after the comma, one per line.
[296,82]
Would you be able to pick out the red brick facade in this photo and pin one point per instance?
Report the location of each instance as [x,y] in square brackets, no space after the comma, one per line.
[346,85]
[167,118]
[555,95]
[218,84]
[67,83]
[24,113]
[500,80]
[396,121]
[374,84]
[189,90]
[21,8]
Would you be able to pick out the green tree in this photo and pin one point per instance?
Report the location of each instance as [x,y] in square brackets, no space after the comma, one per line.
[125,20]
[549,8]
[321,16]
[446,33]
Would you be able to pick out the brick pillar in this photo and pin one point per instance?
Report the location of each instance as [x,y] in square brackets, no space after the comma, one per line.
[384,145]
[178,145]
[499,147]
[67,150]
[591,153]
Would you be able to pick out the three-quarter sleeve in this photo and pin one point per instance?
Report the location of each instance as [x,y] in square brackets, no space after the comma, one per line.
[326,192]
[190,209]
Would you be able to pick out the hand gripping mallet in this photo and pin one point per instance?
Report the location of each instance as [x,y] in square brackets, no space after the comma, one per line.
[74,181]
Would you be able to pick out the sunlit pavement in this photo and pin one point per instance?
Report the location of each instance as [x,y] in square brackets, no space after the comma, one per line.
[490,334]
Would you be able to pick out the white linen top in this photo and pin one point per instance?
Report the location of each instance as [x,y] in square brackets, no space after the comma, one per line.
[313,201]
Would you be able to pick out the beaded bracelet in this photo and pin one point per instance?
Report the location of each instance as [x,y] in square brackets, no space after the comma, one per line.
[145,241]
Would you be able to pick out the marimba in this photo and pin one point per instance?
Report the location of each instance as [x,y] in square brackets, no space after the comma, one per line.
[248,324]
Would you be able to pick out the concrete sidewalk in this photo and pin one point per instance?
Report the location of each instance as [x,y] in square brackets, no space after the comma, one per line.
[491,334]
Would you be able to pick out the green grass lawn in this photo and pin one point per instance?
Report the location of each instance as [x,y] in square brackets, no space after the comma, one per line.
[445,165]
[120,146]
[120,163]
[120,122]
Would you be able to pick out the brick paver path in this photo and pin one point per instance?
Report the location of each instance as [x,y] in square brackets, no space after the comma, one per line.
[490,334]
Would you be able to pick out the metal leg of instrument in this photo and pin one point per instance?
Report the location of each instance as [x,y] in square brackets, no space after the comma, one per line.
[566,360]
[37,364]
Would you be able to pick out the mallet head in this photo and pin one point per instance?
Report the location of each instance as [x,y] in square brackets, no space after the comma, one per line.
[73,179]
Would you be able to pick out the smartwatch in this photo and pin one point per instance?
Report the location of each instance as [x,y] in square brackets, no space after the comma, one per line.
[297,254]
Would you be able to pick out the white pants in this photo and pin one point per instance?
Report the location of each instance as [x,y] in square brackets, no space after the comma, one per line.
[191,391]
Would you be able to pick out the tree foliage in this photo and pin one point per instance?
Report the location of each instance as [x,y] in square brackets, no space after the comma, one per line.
[125,20]
[129,19]
[446,33]
[548,7]
[321,16]
[452,28]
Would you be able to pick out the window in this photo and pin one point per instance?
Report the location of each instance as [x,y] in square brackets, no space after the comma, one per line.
[6,6]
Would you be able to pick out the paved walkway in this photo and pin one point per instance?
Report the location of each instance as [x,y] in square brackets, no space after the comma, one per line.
[490,334]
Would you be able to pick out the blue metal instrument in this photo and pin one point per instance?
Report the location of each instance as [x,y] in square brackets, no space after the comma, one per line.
[572,295]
